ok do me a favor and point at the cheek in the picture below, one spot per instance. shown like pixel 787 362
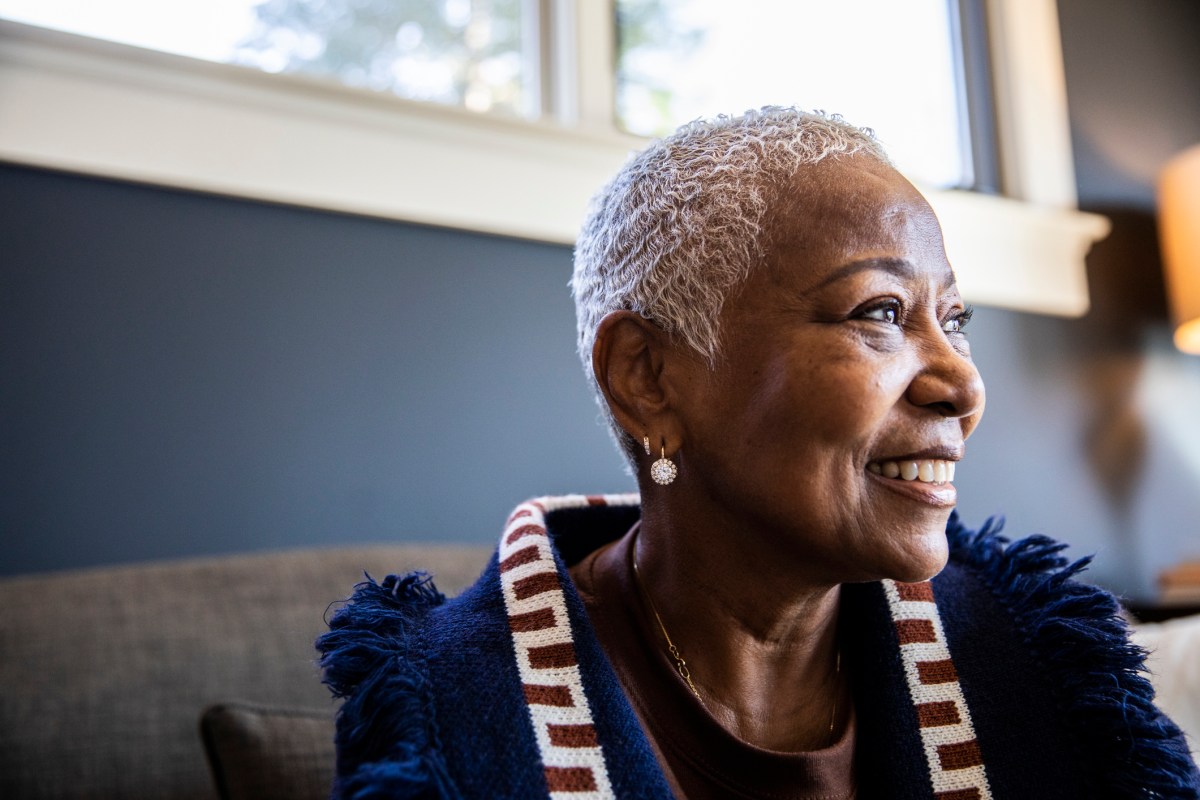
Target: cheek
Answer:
pixel 826 401
pixel 848 407
pixel 761 403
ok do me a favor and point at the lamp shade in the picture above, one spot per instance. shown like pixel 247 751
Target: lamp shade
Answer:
pixel 1179 229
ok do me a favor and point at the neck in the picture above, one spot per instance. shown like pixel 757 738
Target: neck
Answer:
pixel 761 650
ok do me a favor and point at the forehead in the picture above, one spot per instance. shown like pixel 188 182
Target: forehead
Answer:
pixel 851 209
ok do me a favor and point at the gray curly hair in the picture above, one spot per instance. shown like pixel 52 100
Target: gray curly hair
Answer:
pixel 682 224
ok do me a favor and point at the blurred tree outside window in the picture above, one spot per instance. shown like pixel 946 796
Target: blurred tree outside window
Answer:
pixel 457 52
pixel 467 53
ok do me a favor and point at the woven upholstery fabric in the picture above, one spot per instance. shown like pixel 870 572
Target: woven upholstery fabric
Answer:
pixel 262 753
pixel 105 672
pixel 1174 666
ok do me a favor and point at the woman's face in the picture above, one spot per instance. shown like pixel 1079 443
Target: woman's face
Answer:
pixel 841 362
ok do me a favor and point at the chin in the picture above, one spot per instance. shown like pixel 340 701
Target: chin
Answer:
pixel 918 575
pixel 923 562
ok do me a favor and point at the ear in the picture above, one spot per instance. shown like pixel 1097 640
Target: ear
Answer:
pixel 628 359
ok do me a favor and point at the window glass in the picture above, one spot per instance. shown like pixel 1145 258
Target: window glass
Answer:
pixel 459 52
pixel 893 66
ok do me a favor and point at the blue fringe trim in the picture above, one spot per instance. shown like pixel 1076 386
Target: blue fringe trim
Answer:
pixel 372 657
pixel 1137 750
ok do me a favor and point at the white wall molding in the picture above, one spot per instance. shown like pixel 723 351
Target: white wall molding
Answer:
pixel 1014 254
pixel 73 103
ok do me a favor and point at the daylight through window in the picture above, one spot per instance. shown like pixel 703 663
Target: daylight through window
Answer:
pixel 676 59
pixel 683 59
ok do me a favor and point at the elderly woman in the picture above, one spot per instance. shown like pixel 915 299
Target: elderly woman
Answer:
pixel 790 610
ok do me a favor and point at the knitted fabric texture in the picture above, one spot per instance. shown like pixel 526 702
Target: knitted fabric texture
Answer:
pixel 1002 678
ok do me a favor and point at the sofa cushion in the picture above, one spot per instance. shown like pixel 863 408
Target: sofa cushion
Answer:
pixel 260 752
pixel 1174 665
pixel 106 671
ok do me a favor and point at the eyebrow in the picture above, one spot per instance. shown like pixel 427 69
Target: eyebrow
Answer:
pixel 900 267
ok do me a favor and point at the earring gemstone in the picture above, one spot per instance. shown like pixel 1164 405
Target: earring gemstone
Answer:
pixel 663 471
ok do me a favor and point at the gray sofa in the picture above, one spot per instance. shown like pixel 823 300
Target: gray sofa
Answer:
pixel 106 673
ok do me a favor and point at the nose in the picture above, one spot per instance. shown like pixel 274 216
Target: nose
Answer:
pixel 948 383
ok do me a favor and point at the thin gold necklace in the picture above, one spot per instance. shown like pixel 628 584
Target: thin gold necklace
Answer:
pixel 681 665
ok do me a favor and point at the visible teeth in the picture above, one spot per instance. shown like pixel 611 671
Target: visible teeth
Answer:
pixel 926 470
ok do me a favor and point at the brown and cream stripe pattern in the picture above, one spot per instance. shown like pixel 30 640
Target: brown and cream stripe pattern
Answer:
pixel 951 749
pixel 537 618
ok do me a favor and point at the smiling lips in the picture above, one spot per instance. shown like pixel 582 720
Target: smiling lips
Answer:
pixel 924 470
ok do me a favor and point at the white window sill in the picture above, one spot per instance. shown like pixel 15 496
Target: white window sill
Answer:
pixel 77 104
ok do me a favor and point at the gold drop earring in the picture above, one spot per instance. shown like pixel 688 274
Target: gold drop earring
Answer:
pixel 662 471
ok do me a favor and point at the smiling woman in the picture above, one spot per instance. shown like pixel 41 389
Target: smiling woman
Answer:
pixel 790 608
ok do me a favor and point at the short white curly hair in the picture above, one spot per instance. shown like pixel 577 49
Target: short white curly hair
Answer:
pixel 682 224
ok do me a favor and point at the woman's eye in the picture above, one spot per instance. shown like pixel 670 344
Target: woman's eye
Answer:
pixel 888 312
pixel 959 321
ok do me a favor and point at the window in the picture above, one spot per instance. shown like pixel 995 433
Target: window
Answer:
pixel 468 53
pixel 208 30
pixel 678 61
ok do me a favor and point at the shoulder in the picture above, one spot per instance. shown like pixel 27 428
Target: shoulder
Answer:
pixel 1019 608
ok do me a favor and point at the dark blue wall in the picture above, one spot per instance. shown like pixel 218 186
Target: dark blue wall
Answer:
pixel 187 374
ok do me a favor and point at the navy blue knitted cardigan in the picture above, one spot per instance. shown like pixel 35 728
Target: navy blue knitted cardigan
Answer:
pixel 1001 678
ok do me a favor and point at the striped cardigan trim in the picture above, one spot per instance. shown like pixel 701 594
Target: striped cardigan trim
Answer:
pixel 535 601
pixel 952 752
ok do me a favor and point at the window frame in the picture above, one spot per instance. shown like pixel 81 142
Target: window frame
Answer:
pixel 74 103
